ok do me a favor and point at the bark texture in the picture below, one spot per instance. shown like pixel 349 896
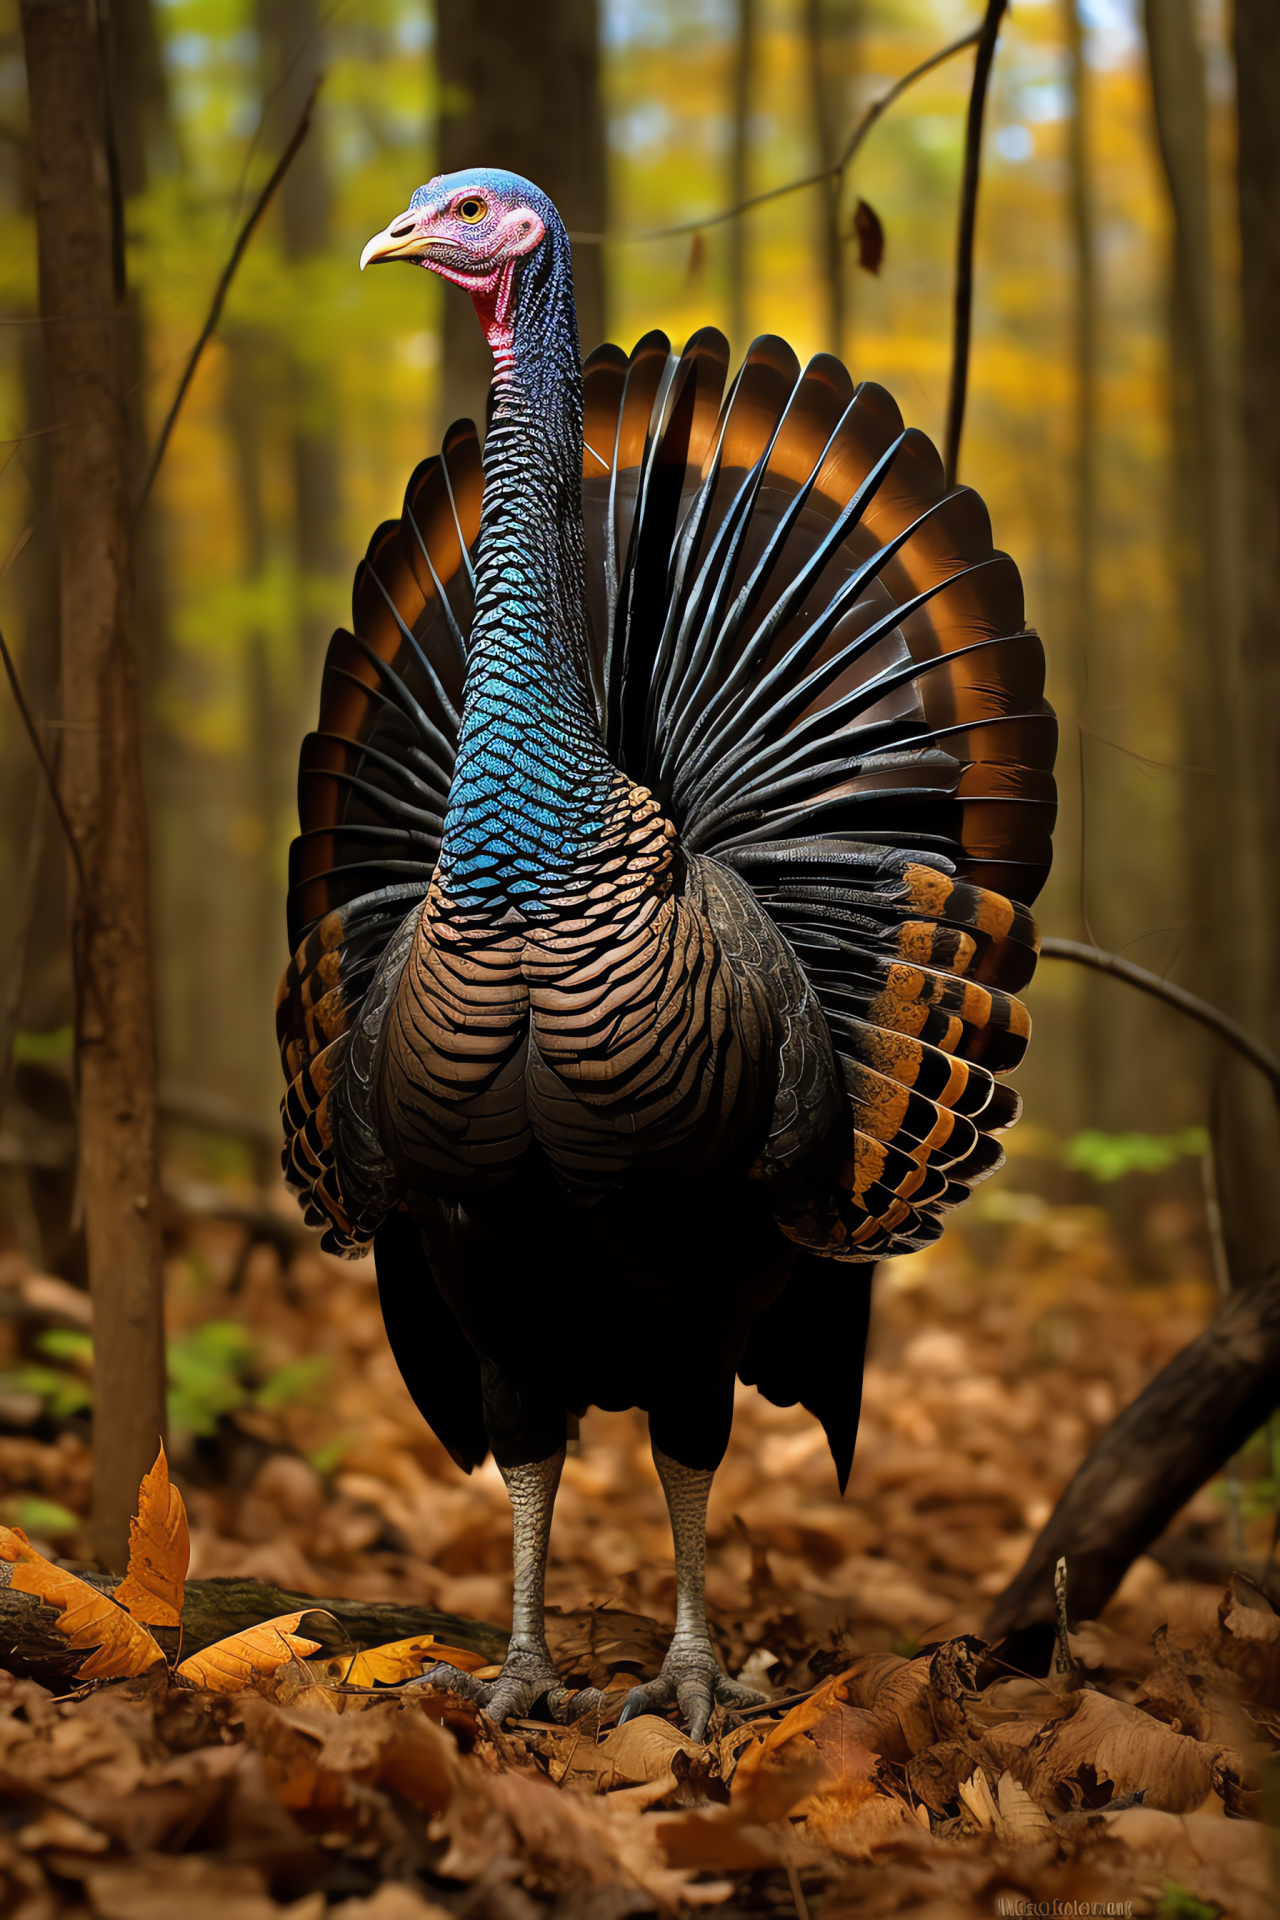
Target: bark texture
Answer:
pixel 520 88
pixel 34 1649
pixel 1149 1462
pixel 1206 563
pixel 1249 1179
pixel 85 319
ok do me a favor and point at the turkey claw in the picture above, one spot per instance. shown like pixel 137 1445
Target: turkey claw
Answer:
pixel 693 1680
pixel 524 1681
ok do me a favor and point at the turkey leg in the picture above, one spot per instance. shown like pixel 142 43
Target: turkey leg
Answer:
pixel 691 1674
pixel 528 1672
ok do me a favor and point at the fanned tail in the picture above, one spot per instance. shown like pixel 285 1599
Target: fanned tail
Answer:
pixel 812 654
pixel 820 664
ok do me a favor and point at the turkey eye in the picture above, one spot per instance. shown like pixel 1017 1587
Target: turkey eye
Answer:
pixel 471 211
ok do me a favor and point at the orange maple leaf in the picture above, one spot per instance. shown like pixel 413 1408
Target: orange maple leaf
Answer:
pixel 398 1660
pixel 116 1645
pixel 159 1552
pixel 230 1665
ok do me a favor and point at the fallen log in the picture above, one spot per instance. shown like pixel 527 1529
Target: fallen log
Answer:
pixel 32 1647
pixel 1176 1435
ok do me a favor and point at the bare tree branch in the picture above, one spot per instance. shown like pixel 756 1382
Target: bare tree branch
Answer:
pixel 987 37
pixel 51 779
pixel 223 288
pixel 833 172
pixel 1208 1016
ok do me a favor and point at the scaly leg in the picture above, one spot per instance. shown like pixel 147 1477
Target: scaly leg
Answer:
pixel 528 1672
pixel 691 1673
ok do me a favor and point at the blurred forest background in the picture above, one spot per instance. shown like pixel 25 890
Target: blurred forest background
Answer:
pixel 1100 432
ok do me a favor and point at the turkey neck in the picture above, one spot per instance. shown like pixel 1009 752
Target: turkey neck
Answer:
pixel 532 788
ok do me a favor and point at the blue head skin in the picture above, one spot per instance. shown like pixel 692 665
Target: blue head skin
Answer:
pixel 532 785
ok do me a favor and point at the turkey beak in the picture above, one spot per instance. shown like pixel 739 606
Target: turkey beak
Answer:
pixel 402 240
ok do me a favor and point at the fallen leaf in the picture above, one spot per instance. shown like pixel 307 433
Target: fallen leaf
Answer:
pixel 397 1661
pixel 854 1819
pixel 159 1552
pixel 635 1755
pixel 1120 1745
pixel 117 1647
pixel 979 1800
pixel 770 1780
pixel 245 1658
pixel 1225 1863
pixel 1019 1821
pixel 159 1886
pixel 591 1645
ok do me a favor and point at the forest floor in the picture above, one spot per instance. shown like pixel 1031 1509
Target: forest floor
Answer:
pixel 912 1775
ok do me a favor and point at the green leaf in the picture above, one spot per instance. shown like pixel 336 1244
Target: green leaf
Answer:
pixel 1177 1904
pixel 292 1385
pixel 63 1394
pixel 328 1458
pixel 67 1343
pixel 207 1365
pixel 1109 1156
pixel 43 1049
pixel 47 1518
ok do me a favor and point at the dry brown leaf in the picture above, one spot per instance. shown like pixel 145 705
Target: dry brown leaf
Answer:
pixel 1246 1613
pixel 1019 1821
pixel 1121 1745
pixel 1226 1863
pixel 770 1780
pixel 710 1843
pixel 393 1901
pixel 159 1552
pixel 635 1755
pixel 243 1659
pixel 158 1887
pixel 979 1801
pixel 592 1645
pixel 855 1820
pixel 116 1645
pixel 397 1661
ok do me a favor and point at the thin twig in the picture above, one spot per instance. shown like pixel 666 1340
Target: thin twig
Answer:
pixel 33 734
pixel 962 324
pixel 833 172
pixel 1208 1016
pixel 1064 1661
pixel 223 287
pixel 28 900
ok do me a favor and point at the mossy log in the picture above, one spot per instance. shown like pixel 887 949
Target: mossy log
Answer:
pixel 32 1647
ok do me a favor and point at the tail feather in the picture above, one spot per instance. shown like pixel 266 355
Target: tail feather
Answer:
pixel 813 654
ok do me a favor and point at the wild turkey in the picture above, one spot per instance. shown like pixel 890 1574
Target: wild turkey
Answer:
pixel 654 906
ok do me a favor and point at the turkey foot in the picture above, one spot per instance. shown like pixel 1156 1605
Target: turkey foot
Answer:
pixel 527 1677
pixel 692 1679
pixel 529 1674
pixel 691 1676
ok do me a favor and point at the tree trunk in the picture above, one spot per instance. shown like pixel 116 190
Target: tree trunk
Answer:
pixel 1205 558
pixel 830 251
pixel 1163 1448
pixel 32 1646
pixel 520 88
pixel 744 61
pixel 1255 921
pixel 83 308
pixel 292 37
